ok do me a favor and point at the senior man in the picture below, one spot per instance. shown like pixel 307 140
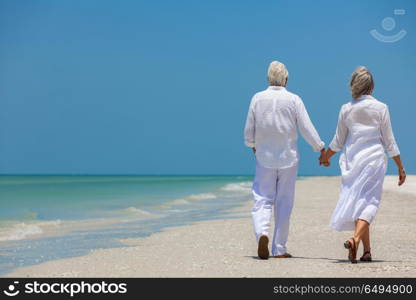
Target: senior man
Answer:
pixel 273 118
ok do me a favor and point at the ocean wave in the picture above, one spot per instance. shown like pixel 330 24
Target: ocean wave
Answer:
pixel 192 198
pixel 24 230
pixel 138 211
pixel 14 231
pixel 178 202
pixel 175 210
pixel 174 203
pixel 204 196
pixel 131 214
pixel 238 187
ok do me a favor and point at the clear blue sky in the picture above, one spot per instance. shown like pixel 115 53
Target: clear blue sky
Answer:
pixel 163 87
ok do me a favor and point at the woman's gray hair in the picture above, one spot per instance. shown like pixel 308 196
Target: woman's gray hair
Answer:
pixel 361 83
pixel 277 74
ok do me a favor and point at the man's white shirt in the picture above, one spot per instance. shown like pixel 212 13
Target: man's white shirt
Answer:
pixel 273 118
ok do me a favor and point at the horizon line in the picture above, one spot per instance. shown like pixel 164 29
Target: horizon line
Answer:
pixel 138 174
pixel 149 175
pixel 160 174
pixel 117 174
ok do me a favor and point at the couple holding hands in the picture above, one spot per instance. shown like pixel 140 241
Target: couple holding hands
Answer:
pixel 364 133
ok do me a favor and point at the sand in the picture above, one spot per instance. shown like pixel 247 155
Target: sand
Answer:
pixel 226 248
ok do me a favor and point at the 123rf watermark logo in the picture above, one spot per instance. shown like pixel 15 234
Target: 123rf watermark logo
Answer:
pixel 71 288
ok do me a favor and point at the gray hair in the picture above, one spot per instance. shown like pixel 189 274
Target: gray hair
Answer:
pixel 361 82
pixel 277 74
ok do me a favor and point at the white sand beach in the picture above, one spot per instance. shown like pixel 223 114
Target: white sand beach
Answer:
pixel 226 248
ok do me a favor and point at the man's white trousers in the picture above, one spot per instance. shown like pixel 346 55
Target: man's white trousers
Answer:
pixel 273 187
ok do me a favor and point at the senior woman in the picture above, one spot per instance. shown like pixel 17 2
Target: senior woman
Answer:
pixel 364 131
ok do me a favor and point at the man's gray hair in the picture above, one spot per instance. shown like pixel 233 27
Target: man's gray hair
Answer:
pixel 361 83
pixel 277 74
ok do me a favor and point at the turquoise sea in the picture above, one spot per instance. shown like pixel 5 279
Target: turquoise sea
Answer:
pixel 50 217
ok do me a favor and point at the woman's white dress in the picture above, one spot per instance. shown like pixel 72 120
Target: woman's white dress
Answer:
pixel 364 132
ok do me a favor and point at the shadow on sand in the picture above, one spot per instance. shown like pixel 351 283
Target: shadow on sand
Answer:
pixel 333 260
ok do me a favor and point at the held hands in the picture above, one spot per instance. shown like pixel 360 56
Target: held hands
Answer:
pixel 324 159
